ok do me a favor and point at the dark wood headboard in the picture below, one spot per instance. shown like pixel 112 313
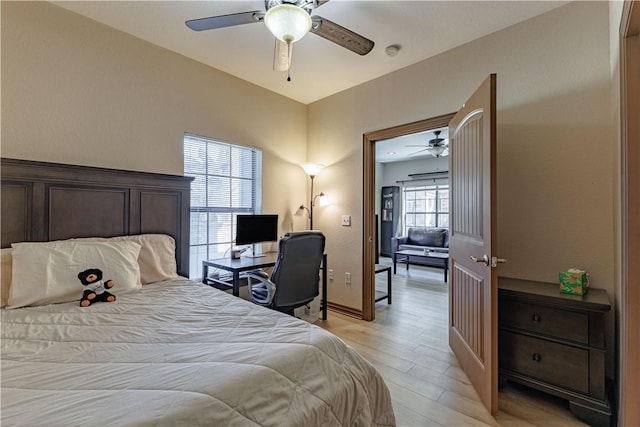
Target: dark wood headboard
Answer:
pixel 50 201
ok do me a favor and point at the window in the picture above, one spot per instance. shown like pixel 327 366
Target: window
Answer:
pixel 426 205
pixel 228 182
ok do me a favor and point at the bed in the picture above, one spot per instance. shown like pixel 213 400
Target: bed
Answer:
pixel 168 351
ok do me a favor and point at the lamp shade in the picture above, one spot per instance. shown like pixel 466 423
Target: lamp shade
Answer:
pixel 312 169
pixel 288 22
pixel 323 200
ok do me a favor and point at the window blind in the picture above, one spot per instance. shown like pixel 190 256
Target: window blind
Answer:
pixel 227 182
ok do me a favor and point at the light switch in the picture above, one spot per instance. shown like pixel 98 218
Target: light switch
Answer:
pixel 346 220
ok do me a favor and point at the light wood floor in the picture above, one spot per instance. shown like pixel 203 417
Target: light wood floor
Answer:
pixel 408 345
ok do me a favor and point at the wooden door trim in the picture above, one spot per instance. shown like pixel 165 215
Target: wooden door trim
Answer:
pixel 629 373
pixel 369 199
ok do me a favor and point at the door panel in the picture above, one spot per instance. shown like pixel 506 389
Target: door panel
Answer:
pixel 467 291
pixel 473 287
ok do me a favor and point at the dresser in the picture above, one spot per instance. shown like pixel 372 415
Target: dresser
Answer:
pixel 555 343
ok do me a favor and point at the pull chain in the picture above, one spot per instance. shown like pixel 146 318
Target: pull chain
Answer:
pixel 290 57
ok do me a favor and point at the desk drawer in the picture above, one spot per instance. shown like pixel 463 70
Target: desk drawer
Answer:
pixel 553 363
pixel 545 320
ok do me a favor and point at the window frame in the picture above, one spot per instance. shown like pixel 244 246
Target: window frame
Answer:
pixel 438 187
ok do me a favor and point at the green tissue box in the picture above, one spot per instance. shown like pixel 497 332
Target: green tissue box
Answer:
pixel 574 282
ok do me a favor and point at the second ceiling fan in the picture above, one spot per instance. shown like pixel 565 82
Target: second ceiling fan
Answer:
pixel 437 147
pixel 289 21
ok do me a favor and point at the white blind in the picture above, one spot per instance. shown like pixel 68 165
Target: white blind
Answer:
pixel 227 182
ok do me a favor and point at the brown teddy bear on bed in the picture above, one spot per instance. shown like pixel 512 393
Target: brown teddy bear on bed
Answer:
pixel 96 288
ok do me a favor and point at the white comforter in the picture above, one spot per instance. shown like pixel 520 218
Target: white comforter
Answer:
pixel 181 353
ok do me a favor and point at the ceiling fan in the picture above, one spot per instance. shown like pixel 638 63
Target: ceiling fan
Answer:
pixel 437 146
pixel 289 21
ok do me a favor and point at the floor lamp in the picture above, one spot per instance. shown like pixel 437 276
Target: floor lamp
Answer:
pixel 312 169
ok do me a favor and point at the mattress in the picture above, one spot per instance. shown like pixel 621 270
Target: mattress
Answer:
pixel 181 353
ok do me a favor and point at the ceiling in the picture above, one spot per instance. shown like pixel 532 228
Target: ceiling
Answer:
pixel 408 147
pixel 319 68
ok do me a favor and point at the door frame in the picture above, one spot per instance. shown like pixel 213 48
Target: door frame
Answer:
pixel 629 373
pixel 369 200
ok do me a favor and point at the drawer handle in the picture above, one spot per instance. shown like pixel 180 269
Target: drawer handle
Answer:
pixel 537 357
pixel 536 317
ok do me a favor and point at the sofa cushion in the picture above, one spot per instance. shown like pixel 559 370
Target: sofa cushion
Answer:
pixel 428 236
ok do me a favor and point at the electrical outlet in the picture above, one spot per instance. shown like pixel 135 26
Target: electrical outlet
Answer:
pixel 330 274
pixel 346 220
pixel 347 278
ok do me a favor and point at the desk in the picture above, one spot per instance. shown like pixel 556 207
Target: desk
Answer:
pixel 236 266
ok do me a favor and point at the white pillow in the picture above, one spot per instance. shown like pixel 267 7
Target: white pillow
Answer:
pixel 157 259
pixel 47 272
pixel 5 275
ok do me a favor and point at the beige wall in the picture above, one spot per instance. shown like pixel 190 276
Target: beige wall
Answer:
pixel 555 146
pixel 75 91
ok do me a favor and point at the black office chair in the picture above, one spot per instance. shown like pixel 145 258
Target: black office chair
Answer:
pixel 295 276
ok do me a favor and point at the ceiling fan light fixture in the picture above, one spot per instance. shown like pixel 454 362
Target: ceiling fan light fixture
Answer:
pixel 437 150
pixel 288 22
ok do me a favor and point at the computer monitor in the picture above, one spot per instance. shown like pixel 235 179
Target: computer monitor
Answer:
pixel 252 229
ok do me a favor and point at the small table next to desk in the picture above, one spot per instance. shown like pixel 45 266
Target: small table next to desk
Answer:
pixel 236 266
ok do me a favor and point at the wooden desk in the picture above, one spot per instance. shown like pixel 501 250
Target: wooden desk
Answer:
pixel 237 266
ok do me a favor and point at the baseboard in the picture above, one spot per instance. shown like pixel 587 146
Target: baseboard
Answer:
pixel 343 309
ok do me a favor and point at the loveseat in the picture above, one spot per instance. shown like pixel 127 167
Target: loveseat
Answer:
pixel 420 238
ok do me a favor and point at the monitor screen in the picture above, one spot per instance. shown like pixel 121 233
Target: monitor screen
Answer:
pixel 256 229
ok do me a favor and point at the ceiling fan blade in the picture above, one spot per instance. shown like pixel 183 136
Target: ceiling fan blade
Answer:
pixel 221 21
pixel 282 55
pixel 341 35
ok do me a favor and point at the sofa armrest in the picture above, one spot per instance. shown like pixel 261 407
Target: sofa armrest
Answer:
pixel 396 241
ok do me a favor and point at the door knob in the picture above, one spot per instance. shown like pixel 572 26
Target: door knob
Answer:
pixel 484 259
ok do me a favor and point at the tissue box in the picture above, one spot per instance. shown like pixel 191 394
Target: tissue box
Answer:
pixel 573 283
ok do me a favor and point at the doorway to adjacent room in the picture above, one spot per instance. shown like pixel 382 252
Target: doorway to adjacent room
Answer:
pixel 369 199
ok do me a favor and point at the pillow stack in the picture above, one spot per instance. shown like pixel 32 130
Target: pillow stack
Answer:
pixel 38 273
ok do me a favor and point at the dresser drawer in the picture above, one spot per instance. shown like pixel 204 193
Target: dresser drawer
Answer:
pixel 553 363
pixel 557 323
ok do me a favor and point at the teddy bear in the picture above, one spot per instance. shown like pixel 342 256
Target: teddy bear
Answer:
pixel 96 288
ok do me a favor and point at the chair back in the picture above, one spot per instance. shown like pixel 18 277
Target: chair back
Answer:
pixel 297 269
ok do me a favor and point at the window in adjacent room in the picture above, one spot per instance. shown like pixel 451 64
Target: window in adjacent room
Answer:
pixel 228 182
pixel 426 205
